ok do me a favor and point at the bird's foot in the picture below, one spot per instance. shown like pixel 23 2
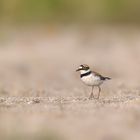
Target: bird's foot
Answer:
pixel 91 97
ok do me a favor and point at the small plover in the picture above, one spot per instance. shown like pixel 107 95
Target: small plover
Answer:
pixel 91 78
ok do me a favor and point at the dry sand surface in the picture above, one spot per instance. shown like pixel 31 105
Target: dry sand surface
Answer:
pixel 42 97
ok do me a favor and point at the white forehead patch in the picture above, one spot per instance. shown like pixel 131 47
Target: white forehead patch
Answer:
pixel 80 67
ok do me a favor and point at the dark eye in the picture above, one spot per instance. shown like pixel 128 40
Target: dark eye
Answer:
pixel 86 68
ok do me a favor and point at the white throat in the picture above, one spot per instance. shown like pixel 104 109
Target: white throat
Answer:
pixel 84 71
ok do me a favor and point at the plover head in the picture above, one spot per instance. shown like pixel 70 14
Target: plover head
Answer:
pixel 83 68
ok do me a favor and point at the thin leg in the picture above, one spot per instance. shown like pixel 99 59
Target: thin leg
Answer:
pixel 91 95
pixel 99 92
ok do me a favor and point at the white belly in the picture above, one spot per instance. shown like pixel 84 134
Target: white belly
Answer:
pixel 92 80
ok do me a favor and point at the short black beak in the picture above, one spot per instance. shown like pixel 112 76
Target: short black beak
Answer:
pixel 78 69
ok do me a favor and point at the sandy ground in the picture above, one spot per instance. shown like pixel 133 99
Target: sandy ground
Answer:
pixel 42 96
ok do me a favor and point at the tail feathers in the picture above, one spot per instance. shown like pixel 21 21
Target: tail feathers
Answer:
pixel 107 78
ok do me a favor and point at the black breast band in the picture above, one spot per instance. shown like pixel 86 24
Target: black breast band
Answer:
pixel 85 74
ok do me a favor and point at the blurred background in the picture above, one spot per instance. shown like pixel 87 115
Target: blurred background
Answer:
pixel 47 40
pixel 24 11
pixel 42 42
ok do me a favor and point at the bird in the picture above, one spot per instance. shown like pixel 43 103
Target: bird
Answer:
pixel 91 78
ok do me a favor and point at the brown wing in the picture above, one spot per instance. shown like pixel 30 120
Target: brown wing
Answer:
pixel 96 73
pixel 99 75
